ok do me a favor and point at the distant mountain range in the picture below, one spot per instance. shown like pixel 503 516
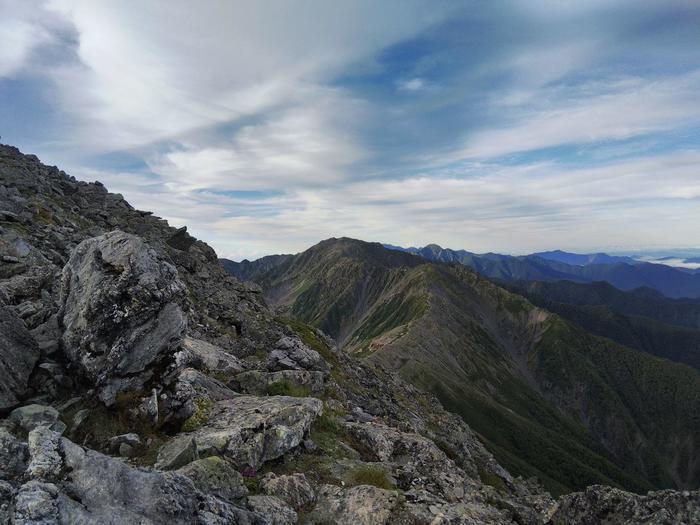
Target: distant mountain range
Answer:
pixel 624 273
pixel 546 394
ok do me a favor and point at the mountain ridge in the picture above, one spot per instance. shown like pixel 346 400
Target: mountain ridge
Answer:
pixel 375 306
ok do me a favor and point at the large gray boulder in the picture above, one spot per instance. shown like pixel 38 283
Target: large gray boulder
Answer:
pixel 294 489
pixel 289 353
pixel 77 485
pixel 121 311
pixel 18 356
pixel 246 430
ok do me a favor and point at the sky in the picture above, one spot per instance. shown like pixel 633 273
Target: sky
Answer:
pixel 267 126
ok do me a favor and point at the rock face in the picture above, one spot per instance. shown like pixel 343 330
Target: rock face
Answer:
pixel 608 506
pixel 82 486
pixel 247 430
pixel 120 310
pixel 361 505
pixel 18 355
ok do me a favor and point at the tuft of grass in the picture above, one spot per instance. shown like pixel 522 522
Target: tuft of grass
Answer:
pixel 287 388
pixel 488 478
pixel 200 416
pixel 371 475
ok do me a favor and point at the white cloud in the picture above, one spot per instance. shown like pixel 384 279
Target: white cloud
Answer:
pixel 412 84
pixel 591 113
pixel 310 143
pixel 159 71
pixel 527 208
pixel 20 33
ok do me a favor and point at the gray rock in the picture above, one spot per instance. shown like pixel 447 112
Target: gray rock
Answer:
pixel 257 382
pixel 293 489
pixel 607 505
pixel 18 355
pixel 13 455
pixel 120 310
pixel 92 488
pixel 208 358
pixel 360 505
pixel 412 457
pixel 125 445
pixel 6 499
pixel 36 504
pixel 176 453
pixel 79 419
pixel 30 417
pixel 192 383
pixel 290 353
pixel 274 509
pixel 46 461
pixel 216 476
pixel 249 430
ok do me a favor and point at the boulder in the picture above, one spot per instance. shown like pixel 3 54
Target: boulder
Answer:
pixel 177 453
pixel 120 310
pixel 360 505
pixel 6 496
pixel 84 486
pixel 13 455
pixel 18 356
pixel 216 476
pixel 249 430
pixel 289 353
pixel 274 509
pixel 32 416
pixel 413 459
pixel 293 489
pixel 208 358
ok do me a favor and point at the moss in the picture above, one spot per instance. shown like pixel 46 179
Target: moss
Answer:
pixel 286 388
pixel 200 416
pixel 371 475
pixel 489 478
pixel 327 423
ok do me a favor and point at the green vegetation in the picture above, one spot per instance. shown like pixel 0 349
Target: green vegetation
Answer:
pixel 490 478
pixel 371 475
pixel 286 388
pixel 200 416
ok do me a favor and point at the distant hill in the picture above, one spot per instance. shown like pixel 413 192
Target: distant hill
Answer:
pixel 577 259
pixel 670 281
pixel 547 397
pixel 246 270
pixel 641 319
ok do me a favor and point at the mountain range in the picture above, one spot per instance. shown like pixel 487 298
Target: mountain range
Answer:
pixel 622 272
pixel 526 379
pixel 140 382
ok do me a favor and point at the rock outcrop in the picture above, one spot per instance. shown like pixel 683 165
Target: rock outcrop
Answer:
pixel 120 311
pixel 18 355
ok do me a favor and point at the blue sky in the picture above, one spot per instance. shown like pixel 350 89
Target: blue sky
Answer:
pixel 267 126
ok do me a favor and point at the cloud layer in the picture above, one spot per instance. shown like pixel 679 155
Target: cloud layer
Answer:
pixel 267 126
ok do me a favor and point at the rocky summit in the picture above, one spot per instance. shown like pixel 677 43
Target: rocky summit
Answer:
pixel 140 382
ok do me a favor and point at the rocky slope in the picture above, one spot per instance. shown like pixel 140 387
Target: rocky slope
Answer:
pixel 143 384
pixel 524 379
